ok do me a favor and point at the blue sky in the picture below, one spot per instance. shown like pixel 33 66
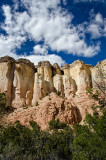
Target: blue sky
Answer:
pixel 60 31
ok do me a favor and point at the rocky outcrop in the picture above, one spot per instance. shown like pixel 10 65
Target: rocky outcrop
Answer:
pixel 98 75
pixel 44 68
pixel 58 84
pixel 71 110
pixel 16 80
pixel 39 89
pixel 70 86
pixel 56 69
pixel 26 85
pixel 6 59
pixel 7 67
pixel 80 73
pixel 49 108
pixel 23 84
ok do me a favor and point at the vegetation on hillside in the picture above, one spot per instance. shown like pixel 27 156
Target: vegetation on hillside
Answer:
pixel 59 142
pixel 3 108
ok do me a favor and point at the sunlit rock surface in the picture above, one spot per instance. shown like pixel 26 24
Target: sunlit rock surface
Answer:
pixel 49 92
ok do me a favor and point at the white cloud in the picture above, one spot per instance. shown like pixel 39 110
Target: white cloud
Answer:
pixel 98 18
pixel 7 14
pixel 97 26
pixel 14 22
pixel 46 21
pixel 95 30
pixel 52 58
pixel 8 44
pixel 41 49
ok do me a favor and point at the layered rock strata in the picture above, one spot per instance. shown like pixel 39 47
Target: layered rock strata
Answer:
pixel 25 84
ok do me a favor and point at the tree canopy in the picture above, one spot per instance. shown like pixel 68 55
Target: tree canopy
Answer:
pixel 59 142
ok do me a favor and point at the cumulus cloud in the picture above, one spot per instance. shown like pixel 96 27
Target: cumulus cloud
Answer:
pixel 52 58
pixel 41 49
pixel 97 26
pixel 8 44
pixel 45 21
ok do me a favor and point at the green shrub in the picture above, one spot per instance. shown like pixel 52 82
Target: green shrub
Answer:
pixel 36 104
pixel 2 99
pixel 58 93
pixel 25 107
pixel 84 142
pixel 89 90
pixel 90 138
pixel 3 107
pixel 56 124
pixel 94 95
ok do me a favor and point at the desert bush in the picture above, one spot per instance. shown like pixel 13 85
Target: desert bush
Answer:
pixel 3 107
pixel 36 104
pixel 56 124
pixel 84 142
pixel 90 138
pixel 58 93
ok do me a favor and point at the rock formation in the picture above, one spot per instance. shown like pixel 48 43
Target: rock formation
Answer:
pixel 60 92
pixel 98 75
pixel 7 67
pixel 23 84
pixel 50 107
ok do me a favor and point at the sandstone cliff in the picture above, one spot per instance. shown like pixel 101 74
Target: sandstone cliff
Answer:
pixel 60 92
